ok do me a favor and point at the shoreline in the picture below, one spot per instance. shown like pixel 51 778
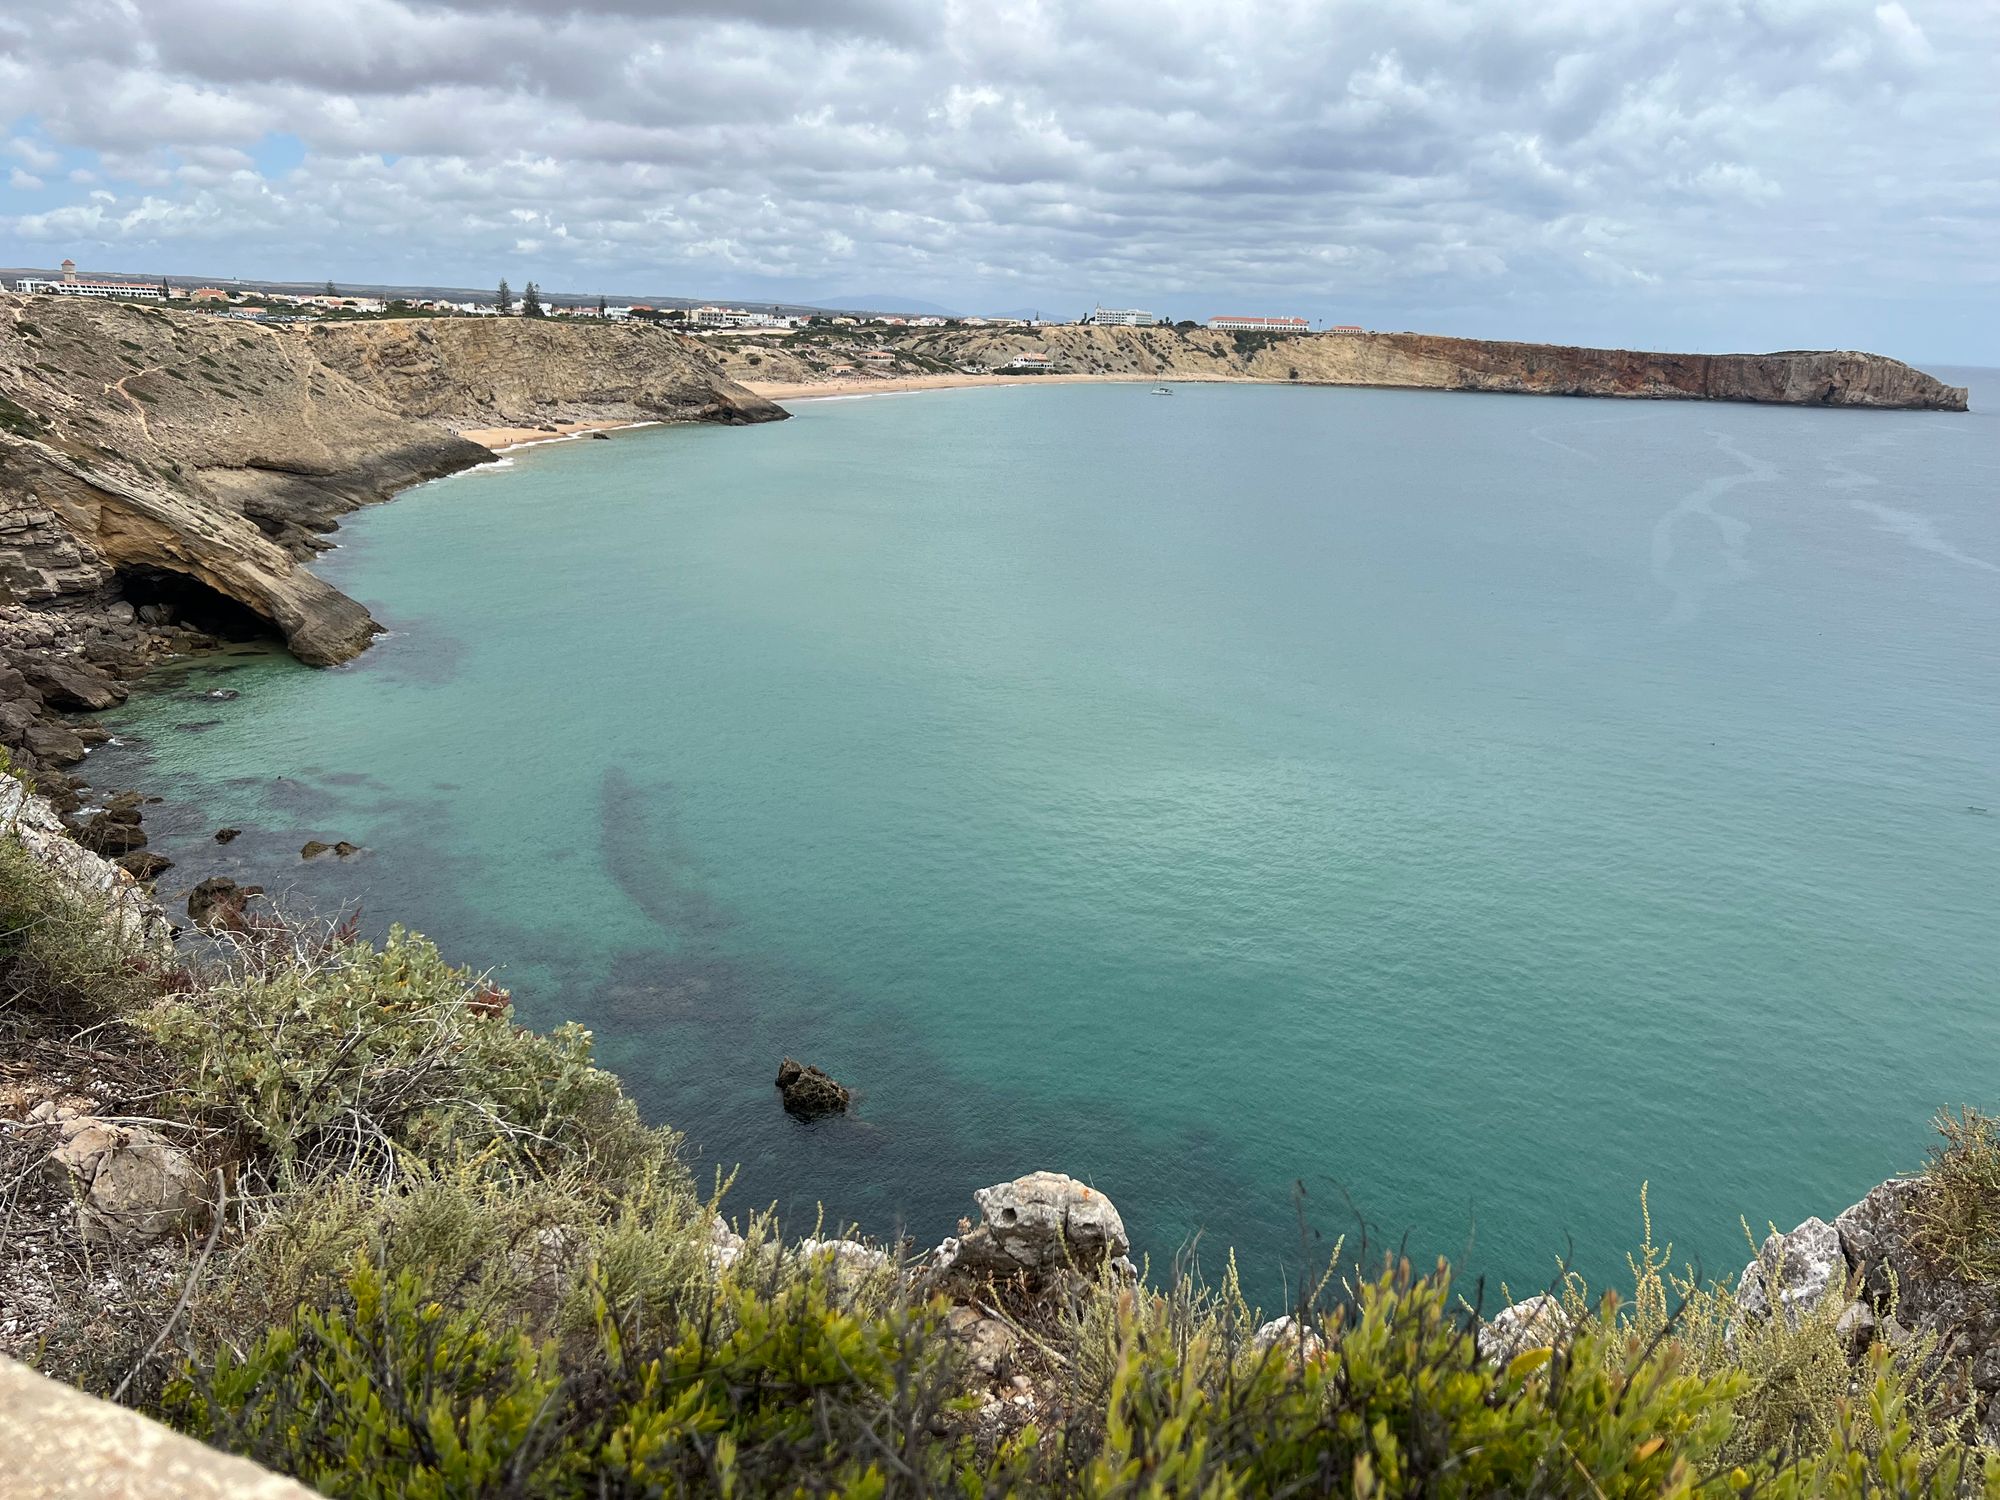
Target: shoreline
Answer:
pixel 889 385
pixel 506 439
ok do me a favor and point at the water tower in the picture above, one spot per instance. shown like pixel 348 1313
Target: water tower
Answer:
pixel 69 270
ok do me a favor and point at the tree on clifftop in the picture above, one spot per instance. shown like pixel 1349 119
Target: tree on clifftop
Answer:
pixel 506 298
pixel 531 302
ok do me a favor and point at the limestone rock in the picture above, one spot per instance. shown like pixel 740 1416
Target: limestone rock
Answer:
pixel 53 744
pixel 71 683
pixel 810 1093
pixel 725 1245
pixel 1963 1317
pixel 113 832
pixel 144 864
pixel 1533 1323
pixel 1796 1271
pixel 61 1444
pixel 136 1187
pixel 1875 1235
pixel 988 1342
pixel 218 904
pixel 1038 1225
pixel 135 918
pixel 1287 1335
pixel 853 1262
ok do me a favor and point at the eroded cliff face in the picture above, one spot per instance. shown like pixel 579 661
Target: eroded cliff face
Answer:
pixel 136 438
pixel 1416 360
pixel 1803 378
pixel 161 470
pixel 136 442
pixel 471 373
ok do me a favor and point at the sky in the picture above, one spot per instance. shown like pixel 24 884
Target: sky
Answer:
pixel 1692 174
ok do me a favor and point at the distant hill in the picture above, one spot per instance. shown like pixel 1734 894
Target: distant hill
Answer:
pixel 889 302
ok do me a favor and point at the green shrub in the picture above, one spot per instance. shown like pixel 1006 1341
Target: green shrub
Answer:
pixel 61 957
pixel 390 1396
pixel 330 1052
pixel 1795 1371
pixel 393 1393
pixel 1958 1211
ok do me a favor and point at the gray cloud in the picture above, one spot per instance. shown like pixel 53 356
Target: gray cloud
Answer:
pixel 1733 172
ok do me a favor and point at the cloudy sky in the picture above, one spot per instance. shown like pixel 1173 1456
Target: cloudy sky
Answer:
pixel 1662 173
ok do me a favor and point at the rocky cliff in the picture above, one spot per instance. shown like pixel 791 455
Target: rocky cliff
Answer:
pixel 1416 360
pixel 469 373
pixel 1801 378
pixel 163 474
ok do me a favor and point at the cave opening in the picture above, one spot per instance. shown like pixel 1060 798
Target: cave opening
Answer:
pixel 169 598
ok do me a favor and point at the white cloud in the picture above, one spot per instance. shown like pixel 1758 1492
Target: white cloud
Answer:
pixel 24 182
pixel 1568 168
pixel 33 155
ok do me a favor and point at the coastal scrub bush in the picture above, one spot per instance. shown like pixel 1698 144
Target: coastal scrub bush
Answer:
pixel 1958 1211
pixel 317 1051
pixel 61 957
pixel 1794 1372
pixel 395 1392
pixel 775 1386
pixel 1387 1395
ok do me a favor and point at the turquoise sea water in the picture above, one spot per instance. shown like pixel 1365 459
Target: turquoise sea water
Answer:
pixel 1465 807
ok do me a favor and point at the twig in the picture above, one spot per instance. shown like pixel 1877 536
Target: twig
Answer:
pixel 187 1291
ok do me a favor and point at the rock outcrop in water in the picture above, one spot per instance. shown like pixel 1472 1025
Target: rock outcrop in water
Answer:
pixel 163 475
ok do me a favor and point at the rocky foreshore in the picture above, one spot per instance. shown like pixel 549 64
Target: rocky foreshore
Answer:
pixel 164 476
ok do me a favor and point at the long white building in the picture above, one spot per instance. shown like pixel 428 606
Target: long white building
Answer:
pixel 71 285
pixel 1236 324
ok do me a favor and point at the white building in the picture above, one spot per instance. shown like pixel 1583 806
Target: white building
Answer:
pixel 1121 317
pixel 1235 324
pixel 73 286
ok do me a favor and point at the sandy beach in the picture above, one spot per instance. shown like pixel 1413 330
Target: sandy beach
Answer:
pixel 499 439
pixel 878 385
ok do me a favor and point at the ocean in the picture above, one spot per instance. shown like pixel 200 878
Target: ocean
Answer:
pixel 1415 817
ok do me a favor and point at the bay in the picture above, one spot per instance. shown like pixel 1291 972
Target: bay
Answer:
pixel 1298 812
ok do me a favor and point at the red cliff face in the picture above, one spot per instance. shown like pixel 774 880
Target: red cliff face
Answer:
pixel 1798 378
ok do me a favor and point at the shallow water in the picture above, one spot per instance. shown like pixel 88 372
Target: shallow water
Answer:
pixel 1454 809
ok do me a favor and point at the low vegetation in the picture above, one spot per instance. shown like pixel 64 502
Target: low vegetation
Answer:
pixel 1959 1218
pixel 445 1257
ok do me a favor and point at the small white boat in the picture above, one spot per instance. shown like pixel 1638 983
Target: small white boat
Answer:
pixel 1161 390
